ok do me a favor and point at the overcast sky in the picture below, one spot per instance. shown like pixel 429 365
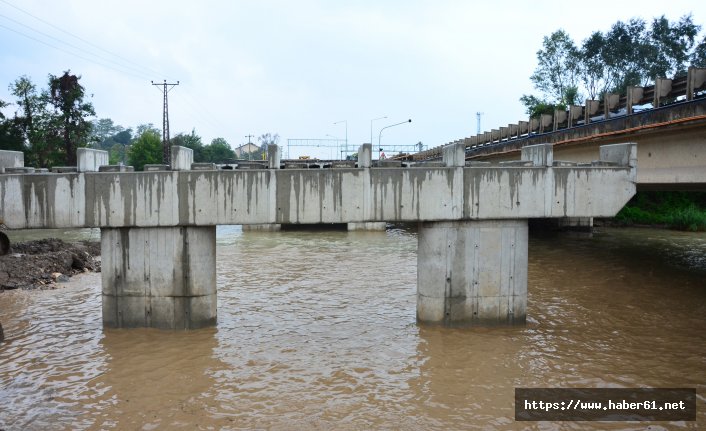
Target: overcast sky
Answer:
pixel 297 67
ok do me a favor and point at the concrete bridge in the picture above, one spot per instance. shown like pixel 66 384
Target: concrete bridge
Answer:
pixel 667 120
pixel 158 227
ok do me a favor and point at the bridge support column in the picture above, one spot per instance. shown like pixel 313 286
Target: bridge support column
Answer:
pixel 160 277
pixel 472 273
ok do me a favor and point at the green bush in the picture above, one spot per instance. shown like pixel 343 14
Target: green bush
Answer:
pixel 678 210
pixel 690 218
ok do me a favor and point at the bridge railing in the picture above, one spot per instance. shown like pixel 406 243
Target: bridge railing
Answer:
pixel 663 91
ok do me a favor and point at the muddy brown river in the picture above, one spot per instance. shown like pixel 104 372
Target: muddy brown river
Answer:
pixel 316 330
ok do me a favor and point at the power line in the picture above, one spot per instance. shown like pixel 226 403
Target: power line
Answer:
pixel 122 67
pixel 151 71
pixel 69 44
pixel 68 52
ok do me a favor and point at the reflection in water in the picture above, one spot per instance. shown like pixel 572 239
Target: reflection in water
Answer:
pixel 317 330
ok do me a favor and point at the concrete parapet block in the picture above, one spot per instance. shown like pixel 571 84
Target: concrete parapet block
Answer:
pixel 20 170
pixel 182 158
pixel 454 155
pixel 203 166
pixel 541 154
pixel 274 156
pixel 365 156
pixel 11 159
pixel 65 169
pixel 89 160
pixel 116 168
pixel 163 277
pixel 389 163
pixel 153 168
pixel 516 164
pixel 477 164
pixel 343 164
pixel 622 154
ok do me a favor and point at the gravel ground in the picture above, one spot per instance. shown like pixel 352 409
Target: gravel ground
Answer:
pixel 44 263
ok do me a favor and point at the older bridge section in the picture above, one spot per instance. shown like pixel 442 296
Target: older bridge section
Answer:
pixel 158 230
pixel 667 120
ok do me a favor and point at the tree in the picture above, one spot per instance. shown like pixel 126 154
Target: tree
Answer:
pixel 556 75
pixel 192 141
pixel 669 46
pixel 592 67
pixel 265 140
pixel 103 129
pixel 558 67
pixel 10 135
pixel 218 151
pixel 629 53
pixel 32 119
pixel 147 149
pixel 69 121
pixel 698 57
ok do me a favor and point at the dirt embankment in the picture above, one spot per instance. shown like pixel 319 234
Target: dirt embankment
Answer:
pixel 43 263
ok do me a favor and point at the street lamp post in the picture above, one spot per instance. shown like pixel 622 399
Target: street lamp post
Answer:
pixel 371 128
pixel 387 127
pixel 338 147
pixel 346 145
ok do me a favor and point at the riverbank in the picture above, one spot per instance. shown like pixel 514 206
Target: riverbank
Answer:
pixel 674 210
pixel 42 264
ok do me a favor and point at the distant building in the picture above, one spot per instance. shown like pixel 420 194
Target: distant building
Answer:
pixel 243 150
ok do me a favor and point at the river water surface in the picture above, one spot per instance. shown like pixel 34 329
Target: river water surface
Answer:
pixel 316 330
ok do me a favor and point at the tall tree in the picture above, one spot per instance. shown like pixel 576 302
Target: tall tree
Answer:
pixel 698 56
pixel 32 119
pixel 192 141
pixel 558 67
pixel 265 140
pixel 218 151
pixel 71 113
pixel 592 67
pixel 670 45
pixel 147 149
pixel 10 134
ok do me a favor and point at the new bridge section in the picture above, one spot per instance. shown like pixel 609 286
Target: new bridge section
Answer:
pixel 158 228
pixel 667 120
pixel 671 145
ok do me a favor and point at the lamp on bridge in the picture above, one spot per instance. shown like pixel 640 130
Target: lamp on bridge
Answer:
pixel 346 144
pixel 387 127
pixel 371 127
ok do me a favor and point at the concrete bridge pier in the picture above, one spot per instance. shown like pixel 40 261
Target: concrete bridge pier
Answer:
pixel 160 277
pixel 472 272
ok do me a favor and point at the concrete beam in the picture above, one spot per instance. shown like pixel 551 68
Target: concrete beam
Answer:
pixel 540 155
pixel 274 156
pixel 182 158
pixel 298 196
pixel 454 155
pixel 89 160
pixel 365 156
pixel 11 159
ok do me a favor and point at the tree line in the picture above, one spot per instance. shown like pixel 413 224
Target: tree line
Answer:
pixel 629 53
pixel 49 124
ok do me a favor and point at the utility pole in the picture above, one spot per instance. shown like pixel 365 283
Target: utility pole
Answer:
pixel 478 114
pixel 249 136
pixel 166 148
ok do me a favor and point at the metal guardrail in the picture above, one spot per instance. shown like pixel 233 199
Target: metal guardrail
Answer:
pixel 663 92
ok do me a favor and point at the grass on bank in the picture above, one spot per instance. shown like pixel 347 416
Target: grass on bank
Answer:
pixel 677 210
